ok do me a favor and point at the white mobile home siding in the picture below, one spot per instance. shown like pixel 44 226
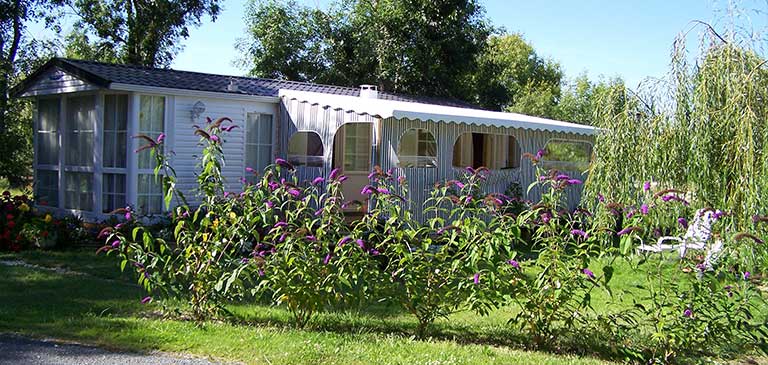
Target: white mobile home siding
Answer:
pixel 186 144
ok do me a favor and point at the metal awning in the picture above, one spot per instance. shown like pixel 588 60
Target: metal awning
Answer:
pixel 437 113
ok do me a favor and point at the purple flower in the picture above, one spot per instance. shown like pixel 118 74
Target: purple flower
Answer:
pixel 647 186
pixel 545 217
pixel 374 252
pixel 574 182
pixel 383 190
pixel 631 213
pixel 626 230
pixel 128 215
pixel 327 259
pixel 270 204
pixel 318 180
pixel 644 209
pixel 115 244
pixel 282 237
pixel 372 175
pixel 601 198
pixel 261 272
pixel 118 226
pixel 160 138
pixel 578 232
pixel 344 240
pixel 250 169
pixel 468 199
pixel 683 222
pixel 272 185
pixel 146 300
pixel 367 190
pixel 719 214
pixel 319 212
pixel 334 174
pixel 746 275
pixel 343 178
pixel 226 194
pixel 588 273
pixel 360 243
pixel 294 192
pixel 476 279
pixel 688 313
pixel 562 177
pixel 229 128
pixel 541 153
pixel 214 138
pixel 514 263
pixel 283 163
pixel 311 238
pixel 280 224
pixel 401 180
pixel 470 170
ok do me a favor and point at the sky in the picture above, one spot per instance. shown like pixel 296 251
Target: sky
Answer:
pixel 628 39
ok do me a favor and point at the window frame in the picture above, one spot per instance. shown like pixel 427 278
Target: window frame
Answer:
pixel 49 168
pixel 571 166
pixel 357 137
pixel 304 159
pixel 150 170
pixel 418 158
pixel 247 145
pixel 518 150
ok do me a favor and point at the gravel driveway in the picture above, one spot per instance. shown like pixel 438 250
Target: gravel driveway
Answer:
pixel 20 350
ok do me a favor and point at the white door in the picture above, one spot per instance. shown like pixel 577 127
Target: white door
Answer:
pixel 352 154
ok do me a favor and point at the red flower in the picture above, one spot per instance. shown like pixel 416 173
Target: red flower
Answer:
pixel 44 234
pixel 11 224
pixel 9 216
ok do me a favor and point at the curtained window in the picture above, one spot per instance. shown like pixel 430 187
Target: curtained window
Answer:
pixel 305 148
pixel 493 151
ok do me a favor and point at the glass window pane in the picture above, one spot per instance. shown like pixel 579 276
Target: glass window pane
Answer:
pixel 47 188
pixel 115 134
pixel 80 128
pixel 150 194
pixel 264 135
pixel 78 190
pixel 113 192
pixel 417 148
pixel 306 148
pixel 567 155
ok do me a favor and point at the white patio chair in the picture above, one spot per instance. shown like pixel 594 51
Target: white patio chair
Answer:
pixel 696 237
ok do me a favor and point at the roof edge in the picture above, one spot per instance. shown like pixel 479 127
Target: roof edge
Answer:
pixel 18 89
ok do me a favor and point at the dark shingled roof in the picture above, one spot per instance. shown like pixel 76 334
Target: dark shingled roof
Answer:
pixel 103 74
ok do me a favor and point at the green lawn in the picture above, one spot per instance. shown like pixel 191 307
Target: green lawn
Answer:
pixel 104 308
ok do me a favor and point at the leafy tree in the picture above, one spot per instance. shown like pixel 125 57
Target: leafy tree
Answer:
pixel 511 76
pixel 416 47
pixel 580 98
pixel 18 56
pixel 138 32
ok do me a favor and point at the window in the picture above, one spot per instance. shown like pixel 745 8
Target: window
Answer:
pixel 113 192
pixel 357 147
pixel 305 148
pixel 567 155
pixel 115 130
pixel 150 194
pixel 80 129
pixel 151 124
pixel 47 132
pixel 493 151
pixel 47 188
pixel 258 141
pixel 417 149
pixel 78 190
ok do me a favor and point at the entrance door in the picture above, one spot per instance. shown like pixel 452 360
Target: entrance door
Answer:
pixel 352 154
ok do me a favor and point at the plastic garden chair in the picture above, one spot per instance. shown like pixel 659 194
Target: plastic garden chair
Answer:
pixel 695 238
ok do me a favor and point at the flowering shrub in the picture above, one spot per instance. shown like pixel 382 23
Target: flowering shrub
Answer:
pixel 204 265
pixel 22 228
pixel 457 259
pixel 309 259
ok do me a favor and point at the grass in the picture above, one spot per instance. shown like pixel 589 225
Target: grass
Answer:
pixel 103 308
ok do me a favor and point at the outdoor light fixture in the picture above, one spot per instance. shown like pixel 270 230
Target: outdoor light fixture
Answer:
pixel 198 109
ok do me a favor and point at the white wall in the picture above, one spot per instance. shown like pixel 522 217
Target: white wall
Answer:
pixel 185 143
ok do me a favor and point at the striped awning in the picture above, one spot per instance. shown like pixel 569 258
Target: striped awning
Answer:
pixel 437 113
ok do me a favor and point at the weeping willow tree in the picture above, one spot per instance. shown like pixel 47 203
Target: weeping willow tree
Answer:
pixel 704 129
